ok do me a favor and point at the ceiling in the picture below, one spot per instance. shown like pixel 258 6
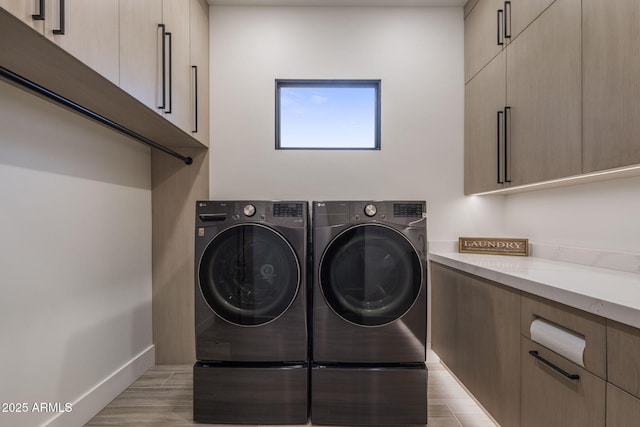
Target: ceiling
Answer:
pixel 349 3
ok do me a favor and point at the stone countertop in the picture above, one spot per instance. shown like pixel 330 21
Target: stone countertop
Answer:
pixel 608 293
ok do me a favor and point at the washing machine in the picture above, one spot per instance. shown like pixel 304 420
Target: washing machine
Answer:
pixel 251 330
pixel 369 313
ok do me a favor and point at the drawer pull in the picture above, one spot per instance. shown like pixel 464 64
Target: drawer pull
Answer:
pixel 60 31
pixel 554 367
pixel 39 16
pixel 500 41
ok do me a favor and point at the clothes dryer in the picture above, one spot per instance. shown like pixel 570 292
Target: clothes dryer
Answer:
pixel 251 312
pixel 369 312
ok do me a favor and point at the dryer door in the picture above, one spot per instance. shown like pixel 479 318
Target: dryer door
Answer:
pixel 370 275
pixel 249 275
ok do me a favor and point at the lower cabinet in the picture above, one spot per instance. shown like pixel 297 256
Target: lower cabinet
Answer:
pixel 550 398
pixel 623 409
pixel 483 332
pixel 476 332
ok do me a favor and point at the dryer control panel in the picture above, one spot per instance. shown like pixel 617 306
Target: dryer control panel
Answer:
pixel 216 212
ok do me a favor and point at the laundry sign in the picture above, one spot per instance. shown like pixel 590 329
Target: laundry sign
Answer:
pixel 493 246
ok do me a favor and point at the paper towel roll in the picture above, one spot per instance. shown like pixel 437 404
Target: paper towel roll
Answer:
pixel 563 341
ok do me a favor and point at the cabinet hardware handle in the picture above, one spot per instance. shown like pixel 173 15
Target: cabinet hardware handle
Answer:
pixel 554 367
pixel 60 31
pixel 164 77
pixel 499 147
pixel 507 19
pixel 195 98
pixel 39 16
pixel 500 14
pixel 507 162
pixel 168 111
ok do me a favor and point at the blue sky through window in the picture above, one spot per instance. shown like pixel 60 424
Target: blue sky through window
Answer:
pixel 319 116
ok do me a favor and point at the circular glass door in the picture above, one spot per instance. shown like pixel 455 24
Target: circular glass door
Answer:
pixel 249 275
pixel 370 275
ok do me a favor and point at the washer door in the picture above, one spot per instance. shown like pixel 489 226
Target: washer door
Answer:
pixel 370 275
pixel 249 275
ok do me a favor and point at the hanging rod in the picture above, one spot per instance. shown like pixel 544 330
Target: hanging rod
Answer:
pixel 88 113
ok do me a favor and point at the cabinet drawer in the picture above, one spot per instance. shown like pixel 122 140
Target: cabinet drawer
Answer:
pixel 592 327
pixel 623 357
pixel 623 410
pixel 550 399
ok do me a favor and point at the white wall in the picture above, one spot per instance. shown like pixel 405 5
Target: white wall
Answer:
pixel 75 259
pixel 418 55
pixel 602 215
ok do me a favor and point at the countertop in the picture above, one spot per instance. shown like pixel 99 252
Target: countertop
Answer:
pixel 608 293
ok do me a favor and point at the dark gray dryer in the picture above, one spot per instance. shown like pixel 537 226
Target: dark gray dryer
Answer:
pixel 250 312
pixel 369 313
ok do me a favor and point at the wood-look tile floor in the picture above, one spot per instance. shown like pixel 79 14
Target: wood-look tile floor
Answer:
pixel 163 397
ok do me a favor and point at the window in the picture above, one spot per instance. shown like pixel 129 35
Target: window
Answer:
pixel 328 114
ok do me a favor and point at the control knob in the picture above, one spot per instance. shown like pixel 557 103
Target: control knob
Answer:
pixel 249 210
pixel 370 210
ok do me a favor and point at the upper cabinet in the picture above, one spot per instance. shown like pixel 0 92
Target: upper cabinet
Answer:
pixel 571 88
pixel 544 97
pixel 155 50
pixel 611 83
pixel 31 13
pixel 520 13
pixel 485 98
pixel 535 134
pixel 140 52
pixel 164 55
pixel 490 25
pixel 88 30
pixel 483 38
pixel 176 60
pixel 200 70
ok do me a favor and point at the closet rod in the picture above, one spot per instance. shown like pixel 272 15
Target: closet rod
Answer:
pixel 88 113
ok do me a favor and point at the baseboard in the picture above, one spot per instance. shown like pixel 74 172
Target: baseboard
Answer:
pixel 92 402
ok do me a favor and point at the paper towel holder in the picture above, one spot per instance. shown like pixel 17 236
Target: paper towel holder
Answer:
pixel 558 369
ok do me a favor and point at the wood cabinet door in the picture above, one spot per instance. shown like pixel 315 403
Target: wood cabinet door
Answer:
pixel 140 50
pixel 200 74
pixel 481 36
pixel 175 15
pixel 550 399
pixel 91 33
pixel 544 92
pixel 623 357
pixel 484 102
pixel 623 410
pixel 611 61
pixel 521 13
pixel 445 314
pixel 475 330
pixel 25 11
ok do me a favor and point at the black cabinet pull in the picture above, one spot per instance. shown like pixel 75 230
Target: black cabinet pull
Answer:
pixel 554 367
pixel 168 111
pixel 164 77
pixel 507 162
pixel 507 20
pixel 499 147
pixel 60 31
pixel 500 14
pixel 195 98
pixel 39 16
